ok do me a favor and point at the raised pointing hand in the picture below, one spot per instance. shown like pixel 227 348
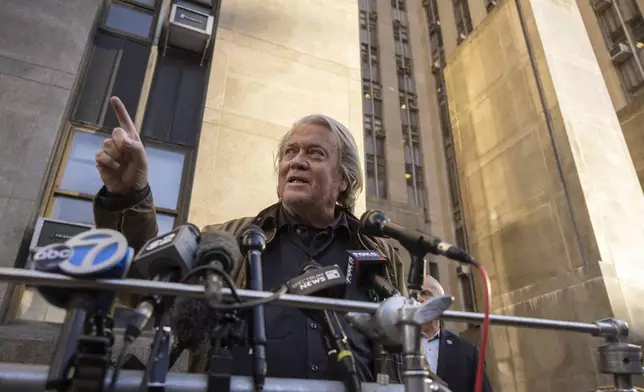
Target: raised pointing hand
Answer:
pixel 122 162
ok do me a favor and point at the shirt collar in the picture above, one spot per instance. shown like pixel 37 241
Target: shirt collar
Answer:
pixel 436 336
pixel 340 222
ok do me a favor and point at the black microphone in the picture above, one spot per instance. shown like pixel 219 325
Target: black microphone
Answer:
pixel 192 319
pixel 165 258
pixel 377 224
pixel 220 250
pixel 252 243
pixel 368 267
pixel 325 281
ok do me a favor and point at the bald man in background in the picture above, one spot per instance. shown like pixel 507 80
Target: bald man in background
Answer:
pixel 453 359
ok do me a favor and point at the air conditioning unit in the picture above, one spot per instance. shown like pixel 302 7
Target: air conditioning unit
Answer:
pixel 601 5
pixel 434 25
pixel 189 27
pixel 620 53
pixel 461 37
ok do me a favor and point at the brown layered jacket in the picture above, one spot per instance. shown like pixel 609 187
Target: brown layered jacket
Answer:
pixel 137 221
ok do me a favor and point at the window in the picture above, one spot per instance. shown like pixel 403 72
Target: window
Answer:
pixel 79 180
pixel 625 58
pixel 368 20
pixel 118 62
pixel 398 4
pixel 370 65
pixel 77 183
pixel 462 18
pixel 129 20
pixel 117 67
pixel 413 168
pixel 367 4
pixel 401 33
pixel 376 177
pixel 403 65
pixel 173 113
pixel 433 269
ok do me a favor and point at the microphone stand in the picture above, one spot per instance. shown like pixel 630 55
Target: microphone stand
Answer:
pixel 93 354
pixel 253 243
pixel 66 345
pixel 156 370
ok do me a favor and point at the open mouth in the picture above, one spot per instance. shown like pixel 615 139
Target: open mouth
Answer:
pixel 297 180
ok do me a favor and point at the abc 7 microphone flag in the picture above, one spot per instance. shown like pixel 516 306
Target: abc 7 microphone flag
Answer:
pixel 94 254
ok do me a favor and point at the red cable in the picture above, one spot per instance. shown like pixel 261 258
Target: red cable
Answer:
pixel 487 289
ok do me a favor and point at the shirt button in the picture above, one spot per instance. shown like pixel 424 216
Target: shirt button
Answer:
pixel 314 326
pixel 315 368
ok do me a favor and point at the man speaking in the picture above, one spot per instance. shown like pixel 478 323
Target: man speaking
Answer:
pixel 319 178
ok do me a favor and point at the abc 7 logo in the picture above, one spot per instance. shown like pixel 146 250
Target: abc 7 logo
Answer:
pixel 53 253
pixel 160 242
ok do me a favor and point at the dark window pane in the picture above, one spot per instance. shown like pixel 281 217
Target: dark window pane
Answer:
pixel 174 108
pixel 149 3
pixel 411 196
pixel 111 55
pixel 129 79
pixel 129 20
pixel 371 180
pixel 369 144
pixel 377 108
pixel 367 107
pixel 80 174
pixel 420 193
pixel 166 169
pixel 382 181
pixel 380 147
pixel 408 158
pixel 433 270
pixel 73 210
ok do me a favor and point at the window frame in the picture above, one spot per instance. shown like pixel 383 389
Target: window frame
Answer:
pixel 179 213
pixel 139 7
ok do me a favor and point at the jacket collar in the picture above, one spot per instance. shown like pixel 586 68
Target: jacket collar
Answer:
pixel 268 218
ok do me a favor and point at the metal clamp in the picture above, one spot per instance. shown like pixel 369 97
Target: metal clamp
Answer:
pixel 617 356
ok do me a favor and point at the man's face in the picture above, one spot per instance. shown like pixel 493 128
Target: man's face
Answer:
pixel 309 172
pixel 431 288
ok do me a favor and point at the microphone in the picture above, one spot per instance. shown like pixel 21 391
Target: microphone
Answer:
pixel 322 281
pixel 368 267
pixel 253 243
pixel 94 254
pixel 191 319
pixel 319 281
pixel 377 224
pixel 383 326
pixel 220 250
pixel 165 258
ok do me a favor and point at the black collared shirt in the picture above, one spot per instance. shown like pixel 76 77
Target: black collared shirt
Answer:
pixel 294 346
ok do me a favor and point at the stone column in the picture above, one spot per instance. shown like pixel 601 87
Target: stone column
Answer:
pixel 551 197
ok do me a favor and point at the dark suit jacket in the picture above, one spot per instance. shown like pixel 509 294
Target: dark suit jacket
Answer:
pixel 457 360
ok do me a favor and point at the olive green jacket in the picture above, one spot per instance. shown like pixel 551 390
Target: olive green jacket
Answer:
pixel 136 218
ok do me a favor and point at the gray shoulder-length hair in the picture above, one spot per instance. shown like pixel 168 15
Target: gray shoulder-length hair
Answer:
pixel 349 158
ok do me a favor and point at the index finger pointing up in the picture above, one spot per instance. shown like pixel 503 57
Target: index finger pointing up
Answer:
pixel 124 118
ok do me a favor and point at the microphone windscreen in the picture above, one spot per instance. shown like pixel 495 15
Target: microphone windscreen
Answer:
pixel 218 246
pixel 191 321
